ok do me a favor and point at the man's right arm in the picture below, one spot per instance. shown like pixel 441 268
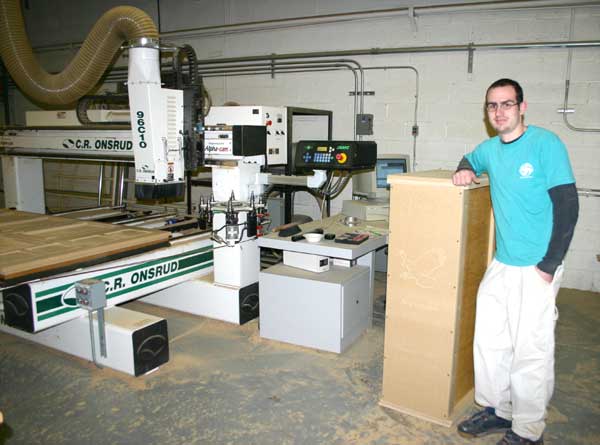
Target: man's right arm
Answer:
pixel 465 173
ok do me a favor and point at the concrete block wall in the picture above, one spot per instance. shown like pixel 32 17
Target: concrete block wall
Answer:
pixel 450 101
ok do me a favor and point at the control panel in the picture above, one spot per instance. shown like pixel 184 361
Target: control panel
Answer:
pixel 336 155
pixel 90 294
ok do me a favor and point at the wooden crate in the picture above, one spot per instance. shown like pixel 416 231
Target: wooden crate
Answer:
pixel 440 244
pixel 33 245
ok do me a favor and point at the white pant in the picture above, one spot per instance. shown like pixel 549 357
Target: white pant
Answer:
pixel 514 345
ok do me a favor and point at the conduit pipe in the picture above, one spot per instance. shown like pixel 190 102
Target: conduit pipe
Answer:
pixel 299 68
pixel 246 69
pixel 568 84
pixel 274 24
pixel 241 70
pixel 405 50
pixel 293 22
pixel 119 24
pixel 329 61
pixel 415 128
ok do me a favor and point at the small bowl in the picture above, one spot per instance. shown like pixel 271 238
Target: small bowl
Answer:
pixel 351 221
pixel 313 237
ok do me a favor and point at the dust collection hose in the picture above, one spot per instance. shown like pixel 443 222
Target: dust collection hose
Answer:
pixel 116 26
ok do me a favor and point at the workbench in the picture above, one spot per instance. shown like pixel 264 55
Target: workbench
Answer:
pixel 377 230
pixel 323 310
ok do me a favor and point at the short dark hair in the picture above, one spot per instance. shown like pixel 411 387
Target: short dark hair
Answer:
pixel 506 83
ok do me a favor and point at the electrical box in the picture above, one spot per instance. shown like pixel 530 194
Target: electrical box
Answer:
pixel 223 142
pixel 273 118
pixel 90 294
pixel 364 124
pixel 336 155
pixel 306 261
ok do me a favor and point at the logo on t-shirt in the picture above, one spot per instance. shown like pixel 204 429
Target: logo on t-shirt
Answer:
pixel 526 171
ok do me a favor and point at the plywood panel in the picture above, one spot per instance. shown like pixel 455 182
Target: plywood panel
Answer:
pixel 425 394
pixel 438 252
pixel 475 258
pixel 32 244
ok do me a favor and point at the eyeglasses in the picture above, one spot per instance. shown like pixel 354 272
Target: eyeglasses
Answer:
pixel 493 106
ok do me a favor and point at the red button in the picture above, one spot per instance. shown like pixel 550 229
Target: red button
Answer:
pixel 269 123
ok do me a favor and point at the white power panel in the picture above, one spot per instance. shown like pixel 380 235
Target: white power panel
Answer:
pixel 306 261
pixel 274 118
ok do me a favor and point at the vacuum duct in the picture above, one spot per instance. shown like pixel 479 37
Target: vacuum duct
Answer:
pixel 118 25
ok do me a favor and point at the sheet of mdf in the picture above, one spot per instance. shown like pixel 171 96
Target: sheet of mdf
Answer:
pixel 31 243
pixel 437 254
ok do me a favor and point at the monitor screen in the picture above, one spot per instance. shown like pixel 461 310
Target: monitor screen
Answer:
pixel 388 166
pixel 373 183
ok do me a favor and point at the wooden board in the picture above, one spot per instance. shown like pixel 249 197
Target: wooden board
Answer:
pixel 437 254
pixel 31 244
pixel 475 254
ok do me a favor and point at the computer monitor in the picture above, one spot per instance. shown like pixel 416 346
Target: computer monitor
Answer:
pixel 373 183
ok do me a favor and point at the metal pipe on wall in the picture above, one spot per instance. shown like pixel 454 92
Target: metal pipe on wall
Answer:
pixel 415 128
pixel 232 71
pixel 587 192
pixel 353 16
pixel 568 84
pixel 272 63
pixel 410 12
pixel 406 50
pixel 304 69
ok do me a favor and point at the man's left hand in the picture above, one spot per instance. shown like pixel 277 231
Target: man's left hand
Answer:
pixel 545 276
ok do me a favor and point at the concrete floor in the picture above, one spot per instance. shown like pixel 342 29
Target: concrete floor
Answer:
pixel 226 385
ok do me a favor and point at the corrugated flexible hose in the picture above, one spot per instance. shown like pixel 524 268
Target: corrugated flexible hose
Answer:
pixel 118 25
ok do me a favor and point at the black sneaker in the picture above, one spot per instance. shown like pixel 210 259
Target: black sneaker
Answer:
pixel 512 438
pixel 483 423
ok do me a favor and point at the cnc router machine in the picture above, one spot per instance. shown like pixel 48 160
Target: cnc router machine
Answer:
pixel 206 264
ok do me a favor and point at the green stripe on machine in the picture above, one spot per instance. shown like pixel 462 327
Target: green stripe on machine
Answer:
pixel 145 264
pixel 193 260
pixel 128 280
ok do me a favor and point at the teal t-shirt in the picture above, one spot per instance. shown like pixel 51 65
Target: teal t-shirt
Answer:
pixel 521 173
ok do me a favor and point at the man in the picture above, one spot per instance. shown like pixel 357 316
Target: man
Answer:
pixel 535 209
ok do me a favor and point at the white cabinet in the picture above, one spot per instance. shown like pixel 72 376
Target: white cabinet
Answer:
pixel 326 310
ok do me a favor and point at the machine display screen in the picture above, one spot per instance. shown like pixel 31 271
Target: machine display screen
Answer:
pixel 322 148
pixel 385 167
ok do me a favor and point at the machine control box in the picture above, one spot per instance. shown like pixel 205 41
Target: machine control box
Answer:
pixel 222 142
pixel 90 294
pixel 306 261
pixel 336 155
pixel 273 118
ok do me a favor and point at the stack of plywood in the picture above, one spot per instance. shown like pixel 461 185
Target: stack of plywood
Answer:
pixel 441 240
pixel 33 245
